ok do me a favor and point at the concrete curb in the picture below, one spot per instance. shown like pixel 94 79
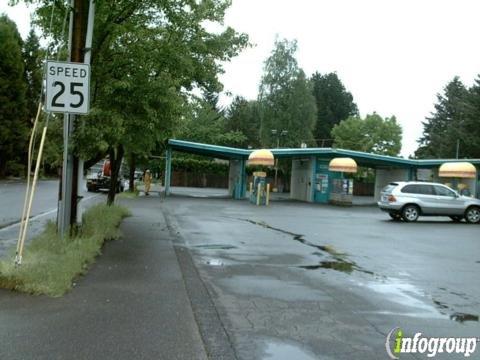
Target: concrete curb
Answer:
pixel 215 338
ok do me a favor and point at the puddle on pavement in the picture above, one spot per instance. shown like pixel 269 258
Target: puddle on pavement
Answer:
pixel 281 351
pixel 216 246
pixel 462 296
pixel 412 314
pixel 270 287
pixel 408 295
pixel 338 263
pixel 456 316
pixel 462 317
pixel 440 305
pixel 214 262
pixel 397 291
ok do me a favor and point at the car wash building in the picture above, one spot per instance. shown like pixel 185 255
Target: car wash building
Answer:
pixel 320 174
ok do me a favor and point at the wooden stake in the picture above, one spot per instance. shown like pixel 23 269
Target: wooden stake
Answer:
pixel 32 194
pixel 27 191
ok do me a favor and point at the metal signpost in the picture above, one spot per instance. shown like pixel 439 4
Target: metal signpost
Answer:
pixel 67 91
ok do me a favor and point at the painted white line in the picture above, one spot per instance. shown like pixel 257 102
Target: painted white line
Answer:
pixel 48 212
pixel 31 219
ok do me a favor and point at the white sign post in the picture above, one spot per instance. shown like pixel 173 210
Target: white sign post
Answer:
pixel 67 87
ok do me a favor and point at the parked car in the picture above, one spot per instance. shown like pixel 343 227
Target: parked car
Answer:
pixel 408 200
pixel 99 182
pixel 138 175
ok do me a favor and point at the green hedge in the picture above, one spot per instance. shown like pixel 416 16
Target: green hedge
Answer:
pixel 200 166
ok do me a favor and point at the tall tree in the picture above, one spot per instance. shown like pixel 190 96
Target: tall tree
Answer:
pixel 13 127
pixel 372 134
pixel 32 55
pixel 146 58
pixel 285 98
pixel 243 116
pixel 334 104
pixel 205 124
pixel 470 137
pixel 446 125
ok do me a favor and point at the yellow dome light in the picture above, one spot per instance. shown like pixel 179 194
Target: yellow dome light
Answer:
pixel 343 165
pixel 457 170
pixel 261 157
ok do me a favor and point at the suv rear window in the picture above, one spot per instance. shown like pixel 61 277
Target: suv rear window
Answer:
pixel 389 188
pixel 418 189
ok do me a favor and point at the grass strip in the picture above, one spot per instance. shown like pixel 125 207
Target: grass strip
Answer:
pixel 128 195
pixel 50 264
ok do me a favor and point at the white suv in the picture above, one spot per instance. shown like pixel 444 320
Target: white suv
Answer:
pixel 408 200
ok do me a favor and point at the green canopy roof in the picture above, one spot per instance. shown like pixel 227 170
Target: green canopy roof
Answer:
pixel 362 158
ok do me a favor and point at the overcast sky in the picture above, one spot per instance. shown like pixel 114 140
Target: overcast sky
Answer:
pixel 393 56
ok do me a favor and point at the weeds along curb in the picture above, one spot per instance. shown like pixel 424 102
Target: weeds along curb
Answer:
pixel 50 264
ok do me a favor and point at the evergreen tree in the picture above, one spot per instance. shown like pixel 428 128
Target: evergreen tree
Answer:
pixel 32 55
pixel 243 116
pixel 470 136
pixel 334 104
pixel 446 126
pixel 285 99
pixel 13 128
pixel 204 124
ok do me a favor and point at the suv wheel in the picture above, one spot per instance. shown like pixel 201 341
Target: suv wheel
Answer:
pixel 472 215
pixel 410 213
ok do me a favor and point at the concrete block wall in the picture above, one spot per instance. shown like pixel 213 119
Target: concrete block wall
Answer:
pixel 237 177
pixel 425 175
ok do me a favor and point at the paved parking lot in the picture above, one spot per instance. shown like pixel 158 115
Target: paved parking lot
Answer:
pixel 304 281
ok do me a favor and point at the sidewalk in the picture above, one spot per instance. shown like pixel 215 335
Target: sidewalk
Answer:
pixel 132 304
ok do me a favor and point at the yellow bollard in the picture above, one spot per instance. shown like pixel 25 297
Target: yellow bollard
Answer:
pixel 267 200
pixel 259 190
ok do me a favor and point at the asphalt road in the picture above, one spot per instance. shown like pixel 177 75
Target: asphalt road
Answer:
pixel 12 195
pixel 44 208
pixel 288 281
pixel 303 281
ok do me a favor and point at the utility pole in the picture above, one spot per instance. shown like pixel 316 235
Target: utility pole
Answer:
pixel 278 134
pixel 80 23
pixel 69 189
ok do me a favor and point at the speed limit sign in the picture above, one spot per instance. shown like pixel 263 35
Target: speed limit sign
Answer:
pixel 67 87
